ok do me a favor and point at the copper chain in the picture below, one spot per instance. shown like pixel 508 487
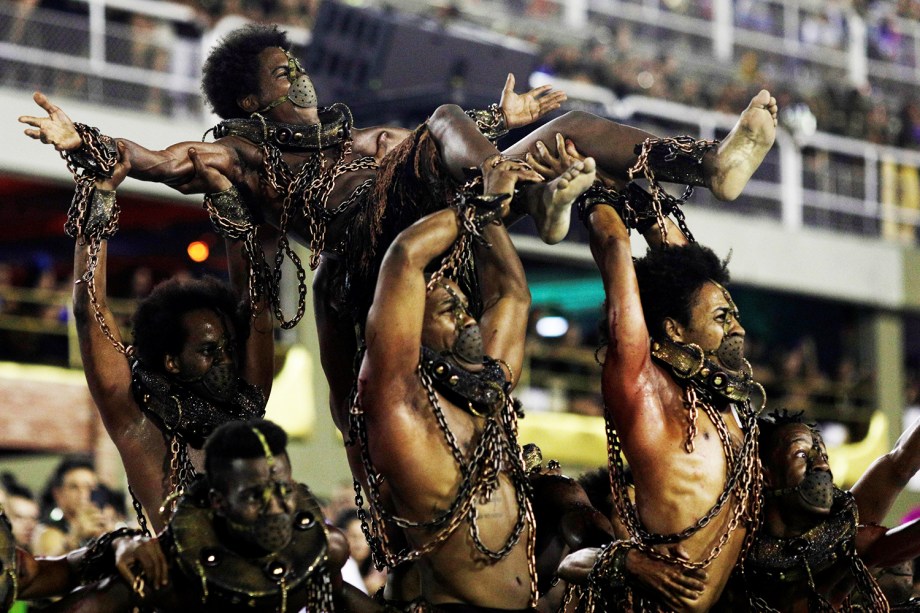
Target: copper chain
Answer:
pixel 308 189
pixel 77 213
pixel 743 481
pixel 496 452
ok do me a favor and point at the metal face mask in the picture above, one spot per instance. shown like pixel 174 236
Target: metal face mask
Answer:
pixel 816 489
pixel 730 351
pixel 301 93
pixel 220 383
pixel 272 531
pixel 468 344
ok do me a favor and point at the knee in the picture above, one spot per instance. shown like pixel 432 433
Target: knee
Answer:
pixel 445 112
pixel 576 119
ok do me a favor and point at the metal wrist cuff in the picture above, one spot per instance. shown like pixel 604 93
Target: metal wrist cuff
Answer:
pixel 229 215
pixel 673 160
pixel 98 154
pixel 102 216
pixel 97 560
pixel 490 121
pixel 610 566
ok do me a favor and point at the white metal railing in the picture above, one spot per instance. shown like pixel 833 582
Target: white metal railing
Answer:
pixel 806 176
pixel 142 64
pixel 804 180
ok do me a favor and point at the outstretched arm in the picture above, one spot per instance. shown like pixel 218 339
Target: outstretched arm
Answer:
pixel 880 485
pixel 171 166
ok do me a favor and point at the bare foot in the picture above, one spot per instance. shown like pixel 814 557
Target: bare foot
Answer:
pixel 745 147
pixel 554 201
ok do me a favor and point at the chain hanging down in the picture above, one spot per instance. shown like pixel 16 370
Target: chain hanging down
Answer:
pixel 306 192
pixel 93 213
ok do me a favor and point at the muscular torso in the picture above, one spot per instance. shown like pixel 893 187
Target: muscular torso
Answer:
pixel 674 488
pixel 421 480
pixel 247 177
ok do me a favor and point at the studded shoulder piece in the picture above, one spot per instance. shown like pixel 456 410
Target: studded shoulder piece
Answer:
pixel 794 559
pixel 180 411
pixel 222 573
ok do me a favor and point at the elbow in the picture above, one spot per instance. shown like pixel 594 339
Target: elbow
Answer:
pixel 402 255
pixel 903 466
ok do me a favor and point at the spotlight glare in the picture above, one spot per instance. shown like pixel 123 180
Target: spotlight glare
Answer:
pixel 552 326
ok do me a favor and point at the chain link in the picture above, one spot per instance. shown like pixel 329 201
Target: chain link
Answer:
pixel 307 191
pixel 743 482
pixel 496 452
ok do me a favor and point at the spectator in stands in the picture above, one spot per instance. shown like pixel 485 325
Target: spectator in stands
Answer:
pixel 21 509
pixel 69 517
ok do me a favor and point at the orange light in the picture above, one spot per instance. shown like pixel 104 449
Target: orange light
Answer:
pixel 198 251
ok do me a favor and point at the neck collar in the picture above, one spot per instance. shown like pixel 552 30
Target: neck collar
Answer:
pixel 796 558
pixel 180 411
pixel 333 129
pixel 690 362
pixel 482 393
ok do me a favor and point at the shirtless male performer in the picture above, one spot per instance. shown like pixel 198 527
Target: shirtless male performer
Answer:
pixel 434 420
pixel 817 543
pixel 197 362
pixel 308 170
pixel 676 389
pixel 244 537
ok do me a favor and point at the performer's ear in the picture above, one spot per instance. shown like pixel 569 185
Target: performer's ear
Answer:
pixel 248 104
pixel 767 477
pixel 171 364
pixel 673 329
pixel 217 501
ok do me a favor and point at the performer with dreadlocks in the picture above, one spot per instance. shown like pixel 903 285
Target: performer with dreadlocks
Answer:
pixel 816 542
pixel 434 423
pixel 676 387
pixel 309 170
pixel 245 537
pixel 198 360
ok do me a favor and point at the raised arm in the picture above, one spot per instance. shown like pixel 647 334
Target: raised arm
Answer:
pixel 394 322
pixel 505 295
pixel 880 485
pixel 107 371
pixel 171 166
pixel 259 362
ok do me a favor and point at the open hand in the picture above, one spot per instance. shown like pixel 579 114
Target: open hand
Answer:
pixel 551 165
pixel 56 129
pixel 523 109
